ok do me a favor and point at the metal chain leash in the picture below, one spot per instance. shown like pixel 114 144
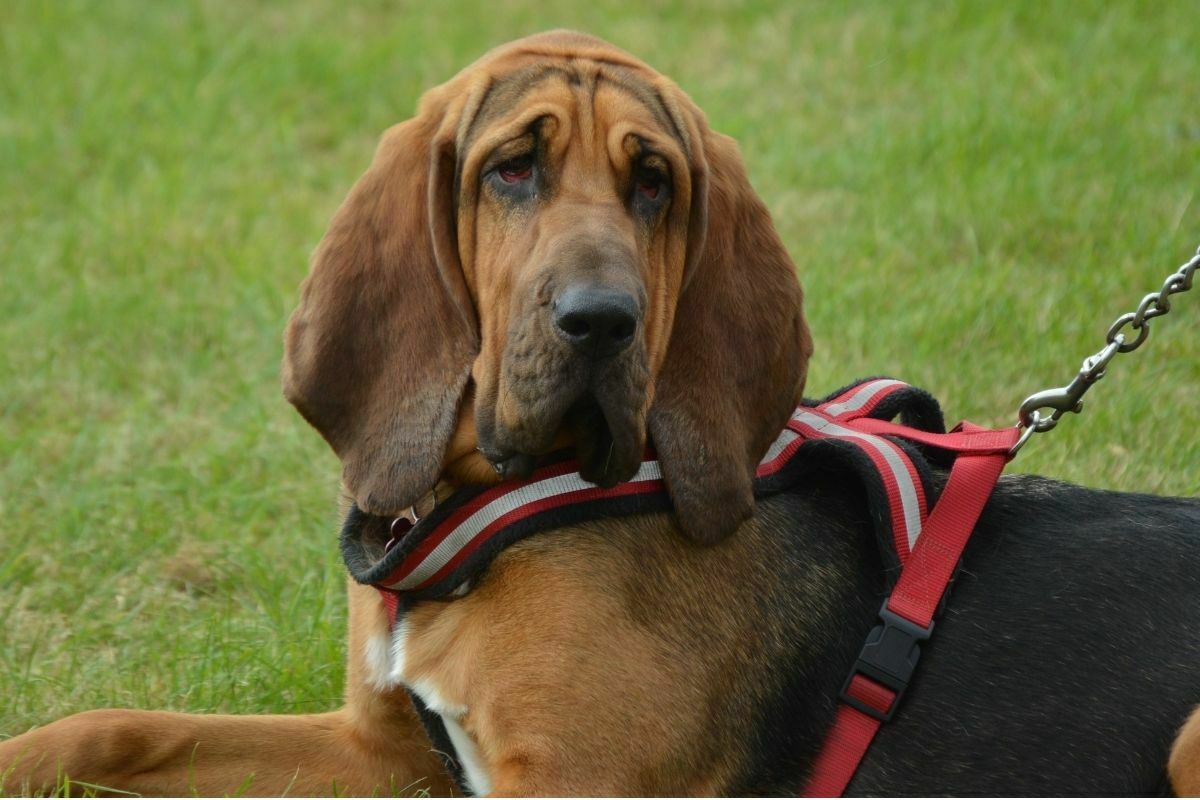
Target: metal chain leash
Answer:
pixel 1069 398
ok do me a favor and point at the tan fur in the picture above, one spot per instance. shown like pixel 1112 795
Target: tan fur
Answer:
pixel 373 744
pixel 572 676
pixel 588 700
pixel 1184 764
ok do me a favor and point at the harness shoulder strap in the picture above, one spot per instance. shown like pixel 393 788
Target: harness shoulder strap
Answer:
pixel 885 666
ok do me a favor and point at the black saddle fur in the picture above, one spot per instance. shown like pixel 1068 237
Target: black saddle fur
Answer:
pixel 1067 659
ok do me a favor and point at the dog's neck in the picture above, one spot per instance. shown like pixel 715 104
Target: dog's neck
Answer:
pixel 463 464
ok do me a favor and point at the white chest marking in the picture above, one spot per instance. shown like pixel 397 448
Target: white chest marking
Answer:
pixel 399 642
pixel 385 661
pixel 377 658
pixel 434 700
pixel 474 772
pixel 383 655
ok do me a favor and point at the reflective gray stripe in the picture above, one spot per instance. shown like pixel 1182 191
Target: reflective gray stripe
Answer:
pixel 860 398
pixel 909 503
pixel 785 438
pixel 474 524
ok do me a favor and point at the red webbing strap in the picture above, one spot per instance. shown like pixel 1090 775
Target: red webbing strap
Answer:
pixel 925 577
pixel 965 438
pixel 846 742
pixel 391 604
pixel 915 598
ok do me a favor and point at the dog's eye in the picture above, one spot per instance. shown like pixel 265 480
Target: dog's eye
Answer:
pixel 516 170
pixel 649 187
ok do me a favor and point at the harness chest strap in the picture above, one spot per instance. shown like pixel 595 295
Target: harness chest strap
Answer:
pixel 459 537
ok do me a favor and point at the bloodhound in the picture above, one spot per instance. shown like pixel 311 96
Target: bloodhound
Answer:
pixel 558 252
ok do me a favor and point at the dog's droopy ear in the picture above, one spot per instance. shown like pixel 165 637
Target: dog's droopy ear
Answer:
pixel 378 352
pixel 738 352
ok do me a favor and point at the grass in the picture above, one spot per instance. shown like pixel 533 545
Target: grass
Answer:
pixel 971 191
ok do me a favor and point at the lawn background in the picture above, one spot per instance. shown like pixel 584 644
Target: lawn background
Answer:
pixel 971 192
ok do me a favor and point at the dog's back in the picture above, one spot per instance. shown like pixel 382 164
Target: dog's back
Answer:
pixel 1066 662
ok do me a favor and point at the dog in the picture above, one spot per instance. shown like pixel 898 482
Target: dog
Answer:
pixel 557 251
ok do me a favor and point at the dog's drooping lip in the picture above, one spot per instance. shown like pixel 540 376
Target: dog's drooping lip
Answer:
pixel 594 441
pixel 587 422
pixel 608 431
pixel 598 406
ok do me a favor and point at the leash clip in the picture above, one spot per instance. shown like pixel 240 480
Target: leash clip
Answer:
pixel 888 658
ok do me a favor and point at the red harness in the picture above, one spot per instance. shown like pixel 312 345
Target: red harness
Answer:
pixel 878 679
pixel 461 538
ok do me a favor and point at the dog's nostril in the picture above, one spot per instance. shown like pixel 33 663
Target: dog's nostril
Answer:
pixel 597 321
pixel 574 325
pixel 623 330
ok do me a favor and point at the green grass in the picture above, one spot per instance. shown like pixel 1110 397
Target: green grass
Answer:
pixel 971 191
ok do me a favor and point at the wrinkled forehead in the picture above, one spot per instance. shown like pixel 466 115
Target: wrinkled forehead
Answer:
pixel 597 97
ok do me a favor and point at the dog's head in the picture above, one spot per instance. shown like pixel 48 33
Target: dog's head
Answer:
pixel 559 237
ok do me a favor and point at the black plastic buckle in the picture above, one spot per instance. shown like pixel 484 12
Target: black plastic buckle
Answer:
pixel 889 657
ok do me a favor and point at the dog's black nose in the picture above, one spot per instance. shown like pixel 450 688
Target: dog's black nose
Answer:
pixel 597 321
